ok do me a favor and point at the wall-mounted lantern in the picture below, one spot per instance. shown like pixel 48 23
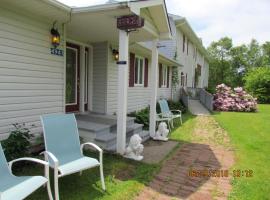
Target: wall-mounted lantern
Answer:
pixel 55 36
pixel 115 53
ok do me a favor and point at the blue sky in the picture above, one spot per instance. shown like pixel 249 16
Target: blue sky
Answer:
pixel 241 20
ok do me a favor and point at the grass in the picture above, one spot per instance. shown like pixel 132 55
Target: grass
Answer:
pixel 250 136
pixel 184 132
pixel 124 180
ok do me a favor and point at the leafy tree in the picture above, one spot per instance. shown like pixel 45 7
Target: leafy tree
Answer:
pixel 257 82
pixel 266 53
pixel 254 54
pixel 220 63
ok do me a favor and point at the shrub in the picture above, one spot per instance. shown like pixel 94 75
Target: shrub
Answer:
pixel 142 116
pixel 237 99
pixel 257 82
pixel 18 143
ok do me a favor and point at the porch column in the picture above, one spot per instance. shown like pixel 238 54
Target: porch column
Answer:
pixel 122 91
pixel 153 86
pixel 82 77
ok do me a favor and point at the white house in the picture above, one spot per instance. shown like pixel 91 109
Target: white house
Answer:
pixel 81 75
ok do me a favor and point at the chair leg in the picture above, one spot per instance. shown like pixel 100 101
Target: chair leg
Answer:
pixel 102 176
pixel 181 120
pixel 56 187
pixel 48 183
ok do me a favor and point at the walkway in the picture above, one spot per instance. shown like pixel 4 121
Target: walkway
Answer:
pixel 179 176
pixel 196 108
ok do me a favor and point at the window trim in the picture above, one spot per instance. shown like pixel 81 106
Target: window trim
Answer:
pixel 143 68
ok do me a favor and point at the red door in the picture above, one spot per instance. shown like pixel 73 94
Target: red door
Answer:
pixel 72 78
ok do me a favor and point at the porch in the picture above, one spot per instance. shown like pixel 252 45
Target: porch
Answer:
pixel 102 129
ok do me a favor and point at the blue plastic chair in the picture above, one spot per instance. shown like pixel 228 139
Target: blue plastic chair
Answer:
pixel 17 188
pixel 167 113
pixel 63 150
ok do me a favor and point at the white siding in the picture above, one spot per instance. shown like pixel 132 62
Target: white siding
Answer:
pixel 100 71
pixel 31 79
pixel 138 96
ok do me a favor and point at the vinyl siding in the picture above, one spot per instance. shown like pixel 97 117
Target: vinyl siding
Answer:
pixel 31 79
pixel 100 71
pixel 138 96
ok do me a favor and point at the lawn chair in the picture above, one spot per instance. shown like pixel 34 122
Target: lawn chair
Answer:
pixel 13 187
pixel 167 113
pixel 63 150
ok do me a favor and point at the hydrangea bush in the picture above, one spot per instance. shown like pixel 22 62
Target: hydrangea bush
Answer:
pixel 228 99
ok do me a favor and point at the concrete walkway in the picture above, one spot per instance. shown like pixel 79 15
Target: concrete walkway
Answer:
pixel 196 108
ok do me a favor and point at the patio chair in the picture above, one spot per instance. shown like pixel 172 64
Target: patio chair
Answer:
pixel 13 187
pixel 63 150
pixel 167 113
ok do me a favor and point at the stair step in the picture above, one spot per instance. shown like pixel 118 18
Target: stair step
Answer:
pixel 93 127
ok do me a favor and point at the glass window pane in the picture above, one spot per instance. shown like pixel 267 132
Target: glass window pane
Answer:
pixel 136 70
pixel 141 72
pixel 71 76
pixel 86 78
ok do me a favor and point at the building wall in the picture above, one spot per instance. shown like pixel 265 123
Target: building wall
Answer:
pixel 100 77
pixel 31 79
pixel 138 96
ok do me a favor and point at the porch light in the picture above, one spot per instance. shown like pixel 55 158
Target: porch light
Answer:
pixel 115 53
pixel 55 36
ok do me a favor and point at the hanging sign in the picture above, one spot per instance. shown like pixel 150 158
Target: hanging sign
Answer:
pixel 128 22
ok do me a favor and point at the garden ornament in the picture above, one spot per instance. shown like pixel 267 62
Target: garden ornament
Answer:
pixel 135 148
pixel 162 132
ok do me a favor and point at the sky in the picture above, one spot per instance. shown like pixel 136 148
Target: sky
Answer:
pixel 240 20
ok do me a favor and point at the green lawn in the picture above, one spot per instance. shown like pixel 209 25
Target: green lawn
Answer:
pixel 250 136
pixel 124 179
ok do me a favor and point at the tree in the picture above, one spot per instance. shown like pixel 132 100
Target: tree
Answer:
pixel 266 53
pixel 220 63
pixel 254 55
pixel 257 82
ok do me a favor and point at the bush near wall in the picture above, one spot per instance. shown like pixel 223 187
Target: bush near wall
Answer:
pixel 257 82
pixel 142 116
pixel 237 100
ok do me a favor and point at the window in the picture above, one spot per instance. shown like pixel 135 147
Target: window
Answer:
pixel 182 79
pixel 164 76
pixel 187 46
pixel 184 42
pixel 139 71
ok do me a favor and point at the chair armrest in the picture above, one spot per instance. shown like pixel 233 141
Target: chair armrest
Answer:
pixel 50 155
pixel 179 111
pixel 92 145
pixel 46 164
pixel 96 147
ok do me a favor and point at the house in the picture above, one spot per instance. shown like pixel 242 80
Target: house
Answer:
pixel 82 76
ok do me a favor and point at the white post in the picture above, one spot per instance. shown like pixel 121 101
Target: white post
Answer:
pixel 82 77
pixel 122 92
pixel 153 86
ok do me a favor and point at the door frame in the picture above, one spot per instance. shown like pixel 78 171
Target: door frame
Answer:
pixel 75 107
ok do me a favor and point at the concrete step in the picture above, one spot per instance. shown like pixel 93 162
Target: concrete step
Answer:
pixel 93 127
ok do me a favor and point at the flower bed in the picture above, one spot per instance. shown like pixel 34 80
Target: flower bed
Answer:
pixel 237 100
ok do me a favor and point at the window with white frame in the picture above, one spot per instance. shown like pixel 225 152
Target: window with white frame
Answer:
pixel 164 76
pixel 139 71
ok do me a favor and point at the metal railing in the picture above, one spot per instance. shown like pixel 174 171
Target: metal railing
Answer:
pixel 206 99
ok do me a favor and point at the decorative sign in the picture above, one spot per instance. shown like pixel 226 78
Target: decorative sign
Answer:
pixel 57 52
pixel 128 22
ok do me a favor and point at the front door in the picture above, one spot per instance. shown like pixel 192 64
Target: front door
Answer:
pixel 72 78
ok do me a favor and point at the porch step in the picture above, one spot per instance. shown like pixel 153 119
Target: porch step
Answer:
pixel 110 139
pixel 93 127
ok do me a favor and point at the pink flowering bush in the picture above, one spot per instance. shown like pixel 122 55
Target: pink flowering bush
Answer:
pixel 237 100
